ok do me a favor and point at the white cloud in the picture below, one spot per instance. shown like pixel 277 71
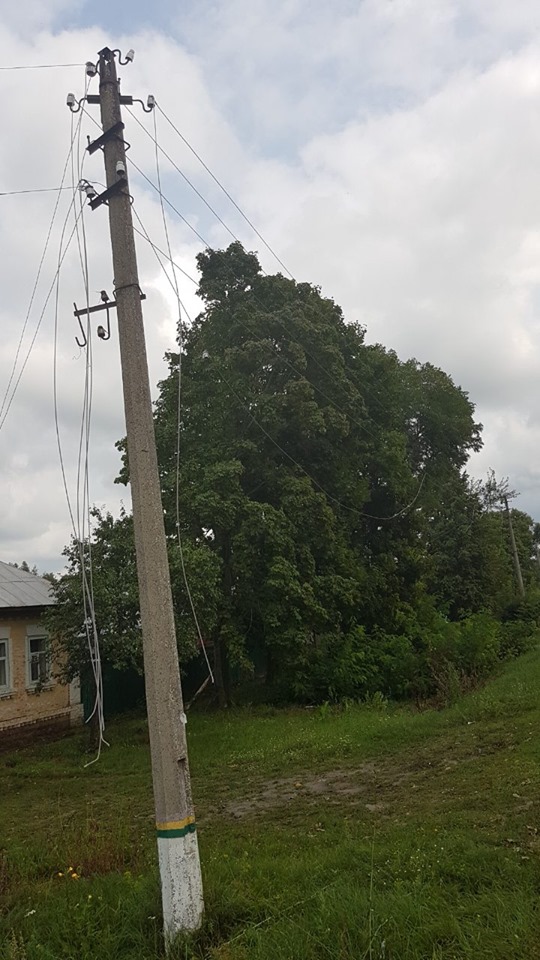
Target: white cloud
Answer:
pixel 388 151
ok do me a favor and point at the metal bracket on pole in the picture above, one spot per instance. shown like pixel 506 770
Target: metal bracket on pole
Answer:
pixel 95 98
pixel 105 305
pixel 78 314
pixel 113 131
pixel 108 193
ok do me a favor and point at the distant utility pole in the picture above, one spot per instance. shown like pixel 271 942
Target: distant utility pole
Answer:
pixel 515 556
pixel 179 865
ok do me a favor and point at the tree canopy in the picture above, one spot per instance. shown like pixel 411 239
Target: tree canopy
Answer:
pixel 324 509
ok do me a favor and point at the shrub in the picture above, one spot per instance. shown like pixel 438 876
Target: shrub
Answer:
pixel 479 645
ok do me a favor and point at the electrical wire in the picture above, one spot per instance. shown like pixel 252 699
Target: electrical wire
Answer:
pixel 253 337
pixel 224 190
pixel 207 244
pixel 228 195
pixel 83 485
pixel 142 233
pixel 181 172
pixel 40 320
pixel 158 254
pixel 300 373
pixel 179 422
pixel 168 202
pixel 362 426
pixel 15 193
pixel 42 66
pixel 394 516
pixel 81 521
pixel 38 275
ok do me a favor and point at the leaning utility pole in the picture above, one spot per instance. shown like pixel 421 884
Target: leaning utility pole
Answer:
pixel 515 555
pixel 179 865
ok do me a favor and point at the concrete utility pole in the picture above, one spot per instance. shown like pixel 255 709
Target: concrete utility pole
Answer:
pixel 179 865
pixel 515 556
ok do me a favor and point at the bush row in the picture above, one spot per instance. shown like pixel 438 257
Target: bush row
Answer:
pixel 425 656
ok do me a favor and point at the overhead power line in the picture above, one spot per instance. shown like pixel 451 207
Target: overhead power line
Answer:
pixel 3 409
pixel 334 403
pixel 208 245
pixel 14 193
pixel 224 190
pixel 41 66
pixel 181 307
pixel 182 174
pixel 143 233
pixel 168 202
pixel 36 331
pixel 323 368
pixel 163 197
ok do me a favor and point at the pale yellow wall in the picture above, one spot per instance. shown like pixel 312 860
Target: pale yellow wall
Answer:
pixel 24 705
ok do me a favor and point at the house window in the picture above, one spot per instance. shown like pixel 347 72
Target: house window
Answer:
pixel 39 661
pixel 5 680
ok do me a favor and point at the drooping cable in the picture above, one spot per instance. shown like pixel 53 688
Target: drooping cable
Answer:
pixel 179 421
pixel 81 518
pixel 89 621
pixel 40 320
pixel 207 244
pixel 158 253
pixel 83 484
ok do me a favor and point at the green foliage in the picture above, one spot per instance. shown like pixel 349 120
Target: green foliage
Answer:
pixel 295 438
pixel 335 544
pixel 114 578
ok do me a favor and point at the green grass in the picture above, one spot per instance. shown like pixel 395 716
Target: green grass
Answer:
pixel 422 841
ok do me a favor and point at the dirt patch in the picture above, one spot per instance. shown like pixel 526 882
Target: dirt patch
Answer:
pixel 362 785
pixel 381 787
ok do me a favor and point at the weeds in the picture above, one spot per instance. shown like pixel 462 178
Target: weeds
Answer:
pixel 15 947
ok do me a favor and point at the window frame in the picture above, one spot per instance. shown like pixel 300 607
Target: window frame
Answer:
pixel 33 633
pixel 7 688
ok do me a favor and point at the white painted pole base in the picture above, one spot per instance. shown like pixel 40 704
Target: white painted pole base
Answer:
pixel 181 884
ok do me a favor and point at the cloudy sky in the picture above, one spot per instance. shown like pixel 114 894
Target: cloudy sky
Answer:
pixel 388 150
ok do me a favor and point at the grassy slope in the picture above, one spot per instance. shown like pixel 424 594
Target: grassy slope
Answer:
pixel 377 833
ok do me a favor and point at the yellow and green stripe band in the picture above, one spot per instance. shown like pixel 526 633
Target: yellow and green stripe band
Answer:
pixel 176 828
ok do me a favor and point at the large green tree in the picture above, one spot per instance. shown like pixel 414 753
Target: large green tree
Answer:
pixel 323 508
pixel 306 460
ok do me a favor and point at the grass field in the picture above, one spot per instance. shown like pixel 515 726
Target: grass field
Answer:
pixel 369 832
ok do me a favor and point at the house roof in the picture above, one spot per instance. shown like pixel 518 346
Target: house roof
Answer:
pixel 21 589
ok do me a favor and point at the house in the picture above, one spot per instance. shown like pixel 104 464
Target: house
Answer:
pixel 31 698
